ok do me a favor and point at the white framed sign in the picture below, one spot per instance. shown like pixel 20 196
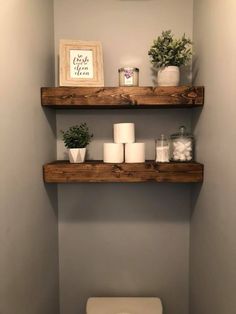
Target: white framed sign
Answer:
pixel 81 63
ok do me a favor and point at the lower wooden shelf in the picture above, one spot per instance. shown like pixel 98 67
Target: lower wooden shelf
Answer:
pixel 97 171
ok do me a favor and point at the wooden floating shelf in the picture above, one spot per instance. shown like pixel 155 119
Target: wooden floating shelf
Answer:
pixel 122 97
pixel 97 171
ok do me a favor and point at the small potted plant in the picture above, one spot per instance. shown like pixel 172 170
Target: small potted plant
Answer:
pixel 76 138
pixel 167 55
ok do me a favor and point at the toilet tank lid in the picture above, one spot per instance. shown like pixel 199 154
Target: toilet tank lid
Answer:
pixel 122 305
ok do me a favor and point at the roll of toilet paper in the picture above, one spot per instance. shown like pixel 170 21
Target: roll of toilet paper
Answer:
pixel 124 133
pixel 134 152
pixel 113 153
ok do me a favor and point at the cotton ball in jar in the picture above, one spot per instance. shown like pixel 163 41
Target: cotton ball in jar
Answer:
pixel 182 146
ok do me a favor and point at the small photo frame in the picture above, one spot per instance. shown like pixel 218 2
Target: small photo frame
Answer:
pixel 81 63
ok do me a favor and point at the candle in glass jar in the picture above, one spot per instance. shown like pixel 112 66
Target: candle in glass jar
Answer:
pixel 128 76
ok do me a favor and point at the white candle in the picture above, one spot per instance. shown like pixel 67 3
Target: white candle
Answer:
pixel 134 152
pixel 113 153
pixel 124 133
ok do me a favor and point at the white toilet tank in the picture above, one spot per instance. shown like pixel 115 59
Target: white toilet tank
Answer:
pixel 124 306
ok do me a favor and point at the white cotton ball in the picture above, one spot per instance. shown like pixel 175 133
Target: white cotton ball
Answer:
pixel 187 154
pixel 176 152
pixel 180 147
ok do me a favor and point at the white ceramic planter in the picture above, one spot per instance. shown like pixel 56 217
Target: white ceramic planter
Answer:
pixel 168 76
pixel 77 155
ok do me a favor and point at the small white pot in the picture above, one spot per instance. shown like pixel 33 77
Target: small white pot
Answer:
pixel 77 155
pixel 168 76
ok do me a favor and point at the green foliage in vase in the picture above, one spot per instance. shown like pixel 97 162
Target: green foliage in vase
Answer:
pixel 77 136
pixel 168 51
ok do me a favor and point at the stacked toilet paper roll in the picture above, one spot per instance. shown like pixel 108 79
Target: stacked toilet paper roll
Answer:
pixel 134 152
pixel 124 133
pixel 124 146
pixel 113 152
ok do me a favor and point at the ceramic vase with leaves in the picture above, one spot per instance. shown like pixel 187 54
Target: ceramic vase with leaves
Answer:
pixel 76 138
pixel 168 55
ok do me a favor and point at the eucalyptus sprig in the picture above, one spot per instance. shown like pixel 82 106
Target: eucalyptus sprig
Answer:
pixel 169 51
pixel 77 136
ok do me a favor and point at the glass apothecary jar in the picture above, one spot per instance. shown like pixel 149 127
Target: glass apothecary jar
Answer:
pixel 162 149
pixel 182 146
pixel 128 76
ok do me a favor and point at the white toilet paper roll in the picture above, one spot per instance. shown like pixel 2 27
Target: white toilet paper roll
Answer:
pixel 113 153
pixel 134 152
pixel 124 133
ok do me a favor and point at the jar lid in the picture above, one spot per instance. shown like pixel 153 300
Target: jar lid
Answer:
pixel 128 69
pixel 182 132
pixel 162 140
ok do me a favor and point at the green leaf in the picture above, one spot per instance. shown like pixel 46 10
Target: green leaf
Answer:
pixel 167 50
pixel 77 136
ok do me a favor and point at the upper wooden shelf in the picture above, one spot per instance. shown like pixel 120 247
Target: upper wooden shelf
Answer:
pixel 122 97
pixel 97 171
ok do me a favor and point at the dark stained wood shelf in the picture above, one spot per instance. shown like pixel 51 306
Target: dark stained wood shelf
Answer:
pixel 122 97
pixel 97 171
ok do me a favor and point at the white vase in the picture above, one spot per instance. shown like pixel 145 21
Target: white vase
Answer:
pixel 168 76
pixel 77 155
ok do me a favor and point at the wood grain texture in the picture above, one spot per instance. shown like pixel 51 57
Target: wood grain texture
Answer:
pixel 122 97
pixel 97 171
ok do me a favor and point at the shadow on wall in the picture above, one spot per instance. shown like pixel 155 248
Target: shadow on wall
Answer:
pixel 51 118
pixel 149 122
pixel 195 195
pixel 120 202
pixel 51 191
pixel 195 118
pixel 195 69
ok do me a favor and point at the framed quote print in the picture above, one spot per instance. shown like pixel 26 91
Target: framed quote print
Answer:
pixel 81 63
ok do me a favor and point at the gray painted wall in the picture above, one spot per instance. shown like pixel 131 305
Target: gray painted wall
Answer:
pixel 213 237
pixel 28 215
pixel 119 239
pixel 114 239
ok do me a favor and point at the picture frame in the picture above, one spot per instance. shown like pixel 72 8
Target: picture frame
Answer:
pixel 81 63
